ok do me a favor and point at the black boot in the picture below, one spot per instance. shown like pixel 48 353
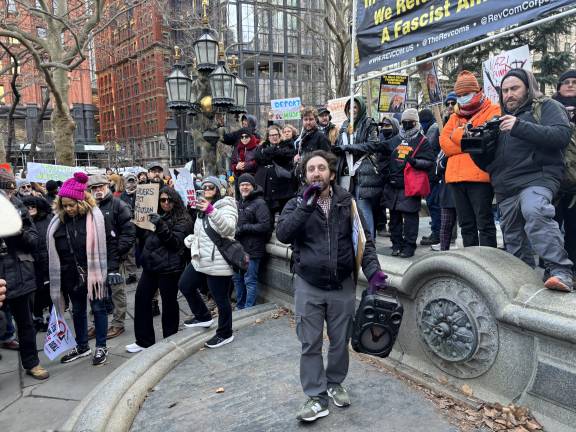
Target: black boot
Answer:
pixel 155 308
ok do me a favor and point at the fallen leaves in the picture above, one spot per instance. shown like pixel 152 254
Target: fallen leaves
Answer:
pixel 467 390
pixel 220 390
pixel 510 418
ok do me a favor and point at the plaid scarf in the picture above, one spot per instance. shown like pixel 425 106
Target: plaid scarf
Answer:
pixel 95 256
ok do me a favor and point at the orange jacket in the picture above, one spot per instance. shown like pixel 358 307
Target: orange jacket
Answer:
pixel 460 166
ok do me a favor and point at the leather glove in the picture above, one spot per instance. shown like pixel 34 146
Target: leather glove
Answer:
pixel 377 282
pixel 114 279
pixel 155 219
pixel 310 196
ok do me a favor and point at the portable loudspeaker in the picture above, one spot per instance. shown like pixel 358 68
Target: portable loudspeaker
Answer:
pixel 376 325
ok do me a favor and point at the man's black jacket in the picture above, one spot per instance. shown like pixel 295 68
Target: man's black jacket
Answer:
pixel 254 226
pixel 120 231
pixel 323 247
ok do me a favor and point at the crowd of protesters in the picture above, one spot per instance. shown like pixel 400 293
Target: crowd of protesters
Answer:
pixel 79 247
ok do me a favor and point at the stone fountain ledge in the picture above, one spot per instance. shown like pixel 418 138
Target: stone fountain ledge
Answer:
pixel 112 405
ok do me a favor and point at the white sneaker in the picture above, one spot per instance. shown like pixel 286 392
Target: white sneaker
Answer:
pixel 134 348
pixel 435 247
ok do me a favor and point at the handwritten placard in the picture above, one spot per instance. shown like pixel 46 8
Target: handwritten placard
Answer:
pixel 145 204
pixel 41 173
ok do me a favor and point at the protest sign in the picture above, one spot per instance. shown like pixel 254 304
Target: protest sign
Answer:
pixel 41 173
pixel 392 31
pixel 392 93
pixel 59 338
pixel 184 185
pixel 5 167
pixel 286 109
pixel 336 108
pixel 495 68
pixel 145 204
pixel 431 82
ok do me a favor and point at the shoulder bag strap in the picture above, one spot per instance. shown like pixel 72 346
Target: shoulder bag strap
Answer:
pixel 212 234
pixel 72 252
pixel 418 146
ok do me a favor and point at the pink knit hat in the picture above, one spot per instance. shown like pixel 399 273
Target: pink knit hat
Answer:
pixel 74 188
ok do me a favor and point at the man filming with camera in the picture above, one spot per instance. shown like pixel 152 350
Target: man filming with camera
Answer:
pixel 526 167
pixel 318 224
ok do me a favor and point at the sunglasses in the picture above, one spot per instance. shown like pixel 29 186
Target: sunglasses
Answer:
pixel 165 200
pixel 25 187
pixel 208 187
pixel 569 82
pixel 451 103
pixel 244 136
pixel 273 135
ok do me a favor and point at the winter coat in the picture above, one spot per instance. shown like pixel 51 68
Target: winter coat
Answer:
pixel 383 157
pixel 69 277
pixel 433 135
pixel 129 198
pixel 274 188
pixel 16 260
pixel 120 231
pixel 461 167
pixel 41 252
pixel 312 140
pixel 163 250
pixel 206 258
pixel 254 224
pixel 323 247
pixel 368 180
pixel 246 154
pixel 393 196
pixel 531 154
pixel 233 138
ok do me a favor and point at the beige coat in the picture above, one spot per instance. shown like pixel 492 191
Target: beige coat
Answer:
pixel 206 257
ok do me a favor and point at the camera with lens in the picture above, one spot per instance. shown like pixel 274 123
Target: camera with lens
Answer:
pixel 481 139
pixel 376 324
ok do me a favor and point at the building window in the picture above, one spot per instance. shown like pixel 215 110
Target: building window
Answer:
pixel 263 30
pixel 232 21
pixel 264 81
pixel 11 6
pixel 278 81
pixel 248 25
pixel 2 95
pixel 278 32
pixel 292 33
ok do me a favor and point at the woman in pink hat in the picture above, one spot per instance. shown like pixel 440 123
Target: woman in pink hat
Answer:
pixel 77 261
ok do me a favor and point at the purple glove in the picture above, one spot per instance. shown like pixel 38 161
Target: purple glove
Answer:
pixel 310 195
pixel 209 209
pixel 377 282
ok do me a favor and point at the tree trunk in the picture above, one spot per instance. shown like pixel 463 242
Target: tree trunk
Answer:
pixel 62 122
pixel 38 127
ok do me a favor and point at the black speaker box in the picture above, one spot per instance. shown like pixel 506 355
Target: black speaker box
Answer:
pixel 376 324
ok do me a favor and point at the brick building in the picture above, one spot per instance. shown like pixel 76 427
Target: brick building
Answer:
pixel 132 60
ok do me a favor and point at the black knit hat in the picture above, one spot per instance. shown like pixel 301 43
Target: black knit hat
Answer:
pixel 568 74
pixel 7 180
pixel 244 131
pixel 52 186
pixel 426 115
pixel 517 73
pixel 247 178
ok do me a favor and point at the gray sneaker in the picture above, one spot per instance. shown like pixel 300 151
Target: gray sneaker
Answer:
pixel 313 409
pixel 339 395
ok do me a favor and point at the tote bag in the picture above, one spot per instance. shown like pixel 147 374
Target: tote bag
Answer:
pixel 416 181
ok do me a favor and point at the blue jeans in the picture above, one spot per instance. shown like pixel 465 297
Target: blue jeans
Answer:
pixel 247 285
pixel 434 209
pixel 79 300
pixel 10 329
pixel 367 207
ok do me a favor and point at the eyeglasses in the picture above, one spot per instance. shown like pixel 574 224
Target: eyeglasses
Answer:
pixel 273 135
pixel 450 103
pixel 165 200
pixel 569 82
pixel 244 136
pixel 208 187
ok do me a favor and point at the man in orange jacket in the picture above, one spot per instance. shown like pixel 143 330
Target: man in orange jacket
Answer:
pixel 471 188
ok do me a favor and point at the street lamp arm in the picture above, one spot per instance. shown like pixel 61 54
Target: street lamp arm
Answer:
pixel 238 44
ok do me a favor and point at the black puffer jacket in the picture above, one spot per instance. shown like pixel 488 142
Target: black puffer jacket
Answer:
pixel 368 180
pixel 120 231
pixel 254 224
pixel 129 199
pixel 163 250
pixel 274 188
pixel 77 231
pixel 16 261
pixel 323 248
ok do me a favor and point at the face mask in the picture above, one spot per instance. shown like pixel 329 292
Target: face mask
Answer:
pixel 387 132
pixel 407 125
pixel 465 100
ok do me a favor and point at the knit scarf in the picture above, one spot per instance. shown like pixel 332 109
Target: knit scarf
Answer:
pixel 473 107
pixel 410 133
pixel 95 256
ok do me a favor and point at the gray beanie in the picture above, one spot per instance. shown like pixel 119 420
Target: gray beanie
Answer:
pixel 214 180
pixel 410 114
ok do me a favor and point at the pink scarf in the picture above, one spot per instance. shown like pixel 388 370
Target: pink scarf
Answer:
pixel 96 286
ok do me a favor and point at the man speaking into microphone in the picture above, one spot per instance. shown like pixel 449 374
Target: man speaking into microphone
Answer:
pixel 318 224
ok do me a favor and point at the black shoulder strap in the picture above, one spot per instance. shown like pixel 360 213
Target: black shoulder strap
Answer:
pixel 212 234
pixel 72 252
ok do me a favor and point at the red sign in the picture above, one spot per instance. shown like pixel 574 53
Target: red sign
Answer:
pixel 6 167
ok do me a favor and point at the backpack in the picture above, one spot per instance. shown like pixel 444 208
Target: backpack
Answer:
pixel 568 184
